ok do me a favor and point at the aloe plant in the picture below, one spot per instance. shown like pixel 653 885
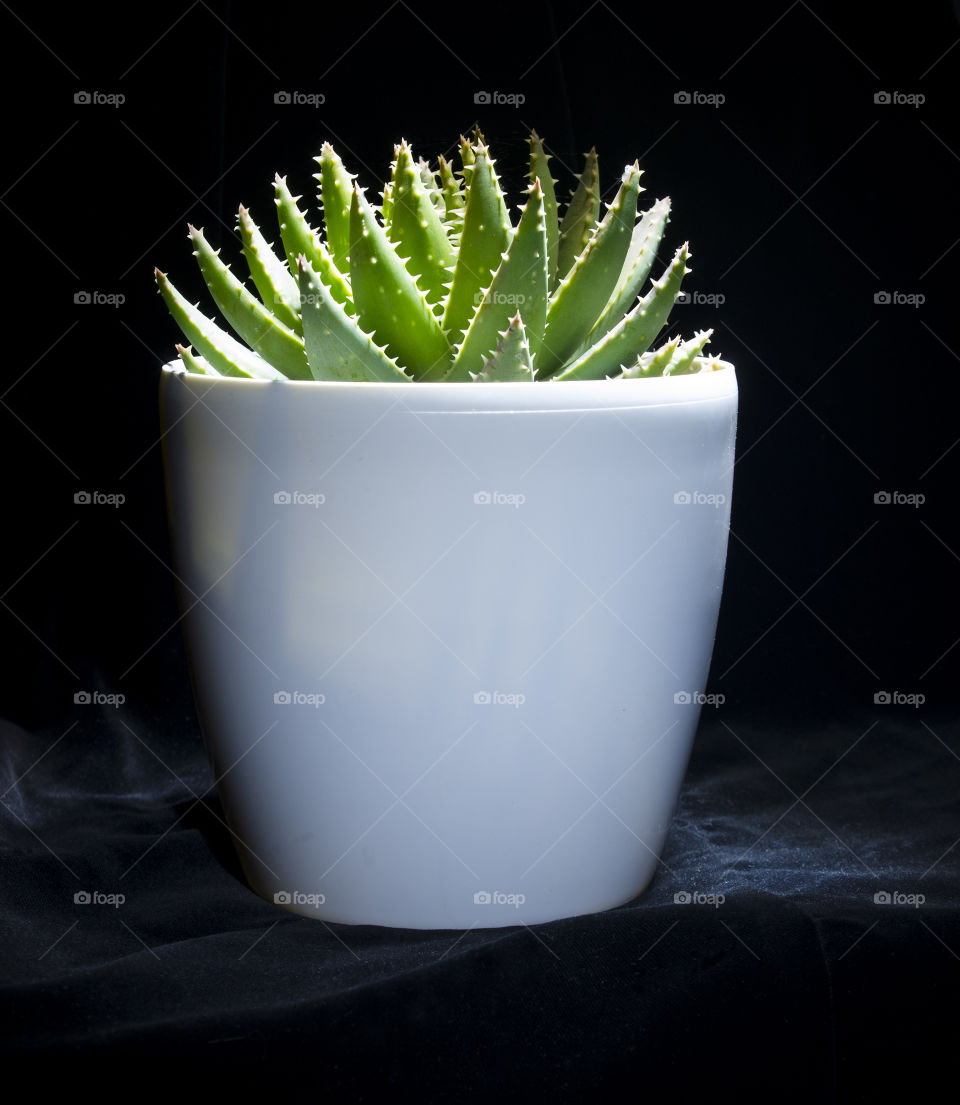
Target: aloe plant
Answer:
pixel 438 284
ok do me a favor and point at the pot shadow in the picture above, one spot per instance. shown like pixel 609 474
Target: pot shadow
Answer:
pixel 207 817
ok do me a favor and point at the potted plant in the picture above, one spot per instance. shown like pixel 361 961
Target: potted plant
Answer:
pixel 451 539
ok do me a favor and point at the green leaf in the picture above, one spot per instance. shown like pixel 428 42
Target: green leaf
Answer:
pixel 221 349
pixel 652 363
pixel 270 275
pixel 388 300
pixel 634 332
pixel 484 239
pixel 299 237
pixel 540 170
pixel 585 289
pixel 193 363
pixel 519 285
pixel 581 215
pixel 644 244
pixel 336 189
pixel 416 230
pixel 511 361
pixel 260 329
pixel 337 349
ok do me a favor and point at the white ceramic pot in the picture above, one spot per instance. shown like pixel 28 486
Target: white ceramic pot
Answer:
pixel 449 642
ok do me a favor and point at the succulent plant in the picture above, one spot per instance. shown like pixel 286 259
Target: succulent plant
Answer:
pixel 437 283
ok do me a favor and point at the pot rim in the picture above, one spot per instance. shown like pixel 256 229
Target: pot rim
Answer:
pixel 692 388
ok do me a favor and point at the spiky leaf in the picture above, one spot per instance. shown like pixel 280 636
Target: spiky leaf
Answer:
pixel 299 237
pixel 644 243
pixel 258 327
pixel 540 170
pixel 585 289
pixel 193 363
pixel 337 349
pixel 581 215
pixel 483 240
pixel 416 229
pixel 635 331
pixel 270 275
pixel 510 362
pixel 336 188
pixel 228 356
pixel 519 284
pixel 389 303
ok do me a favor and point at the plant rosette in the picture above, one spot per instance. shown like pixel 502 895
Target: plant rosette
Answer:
pixel 449 630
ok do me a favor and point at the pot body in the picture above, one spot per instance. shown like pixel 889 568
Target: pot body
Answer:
pixel 449 641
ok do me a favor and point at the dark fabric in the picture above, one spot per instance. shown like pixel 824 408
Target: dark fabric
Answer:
pixel 798 985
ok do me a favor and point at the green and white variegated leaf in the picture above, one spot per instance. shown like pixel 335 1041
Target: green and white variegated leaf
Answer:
pixel 269 274
pixel 228 356
pixel 389 301
pixel 519 284
pixel 257 326
pixel 635 332
pixel 510 362
pixel 337 349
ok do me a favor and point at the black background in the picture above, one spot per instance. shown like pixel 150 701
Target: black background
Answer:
pixel 803 198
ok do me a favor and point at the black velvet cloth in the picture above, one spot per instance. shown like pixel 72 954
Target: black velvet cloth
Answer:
pixel 782 977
